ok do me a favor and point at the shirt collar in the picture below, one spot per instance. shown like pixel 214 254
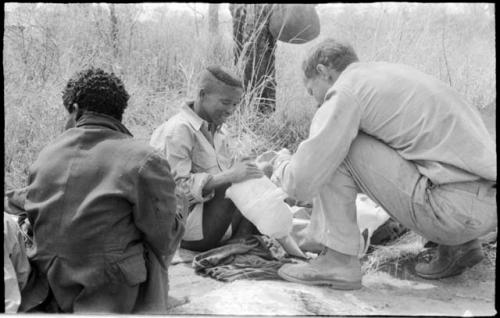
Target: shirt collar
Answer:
pixel 194 119
pixel 90 118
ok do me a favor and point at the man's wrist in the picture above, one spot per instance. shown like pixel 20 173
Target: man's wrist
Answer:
pixel 219 179
pixel 206 189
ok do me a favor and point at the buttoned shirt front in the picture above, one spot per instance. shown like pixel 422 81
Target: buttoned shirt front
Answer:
pixel 422 118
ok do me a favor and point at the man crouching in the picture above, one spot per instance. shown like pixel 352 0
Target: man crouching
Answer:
pixel 103 207
pixel 409 142
pixel 196 146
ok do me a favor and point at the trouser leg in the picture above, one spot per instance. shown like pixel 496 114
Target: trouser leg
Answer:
pixel 333 219
pixel 442 214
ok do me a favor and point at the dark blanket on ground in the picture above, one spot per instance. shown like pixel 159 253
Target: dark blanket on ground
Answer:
pixel 253 257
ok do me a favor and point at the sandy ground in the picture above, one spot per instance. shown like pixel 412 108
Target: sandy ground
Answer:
pixel 470 294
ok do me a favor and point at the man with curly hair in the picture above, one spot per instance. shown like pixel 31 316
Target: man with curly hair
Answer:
pixel 103 207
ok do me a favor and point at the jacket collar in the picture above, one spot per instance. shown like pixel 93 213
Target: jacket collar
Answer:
pixel 90 118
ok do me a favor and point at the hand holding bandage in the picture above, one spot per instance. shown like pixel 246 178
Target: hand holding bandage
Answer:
pixel 269 161
pixel 244 170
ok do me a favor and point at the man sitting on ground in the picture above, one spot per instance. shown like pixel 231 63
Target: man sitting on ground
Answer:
pixel 408 141
pixel 196 145
pixel 103 207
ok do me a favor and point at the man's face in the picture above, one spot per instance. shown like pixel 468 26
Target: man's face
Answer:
pixel 317 87
pixel 221 103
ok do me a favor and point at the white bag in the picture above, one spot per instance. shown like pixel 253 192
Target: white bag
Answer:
pixel 370 217
pixel 261 202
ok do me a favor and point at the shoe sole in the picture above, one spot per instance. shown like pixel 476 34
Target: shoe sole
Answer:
pixel 333 283
pixel 467 260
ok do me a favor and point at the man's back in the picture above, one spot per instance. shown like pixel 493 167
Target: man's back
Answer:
pixel 103 207
pixel 422 118
pixel 88 177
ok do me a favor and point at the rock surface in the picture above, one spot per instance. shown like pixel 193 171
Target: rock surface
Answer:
pixel 471 293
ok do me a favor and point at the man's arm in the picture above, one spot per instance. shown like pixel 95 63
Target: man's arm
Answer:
pixel 178 145
pixel 239 172
pixel 333 128
pixel 199 187
pixel 156 212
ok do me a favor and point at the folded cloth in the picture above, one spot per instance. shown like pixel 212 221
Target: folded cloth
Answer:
pixel 255 257
pixel 183 256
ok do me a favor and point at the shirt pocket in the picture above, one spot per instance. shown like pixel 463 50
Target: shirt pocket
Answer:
pixel 204 158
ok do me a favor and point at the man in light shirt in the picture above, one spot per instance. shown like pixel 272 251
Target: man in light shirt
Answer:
pixel 408 141
pixel 196 146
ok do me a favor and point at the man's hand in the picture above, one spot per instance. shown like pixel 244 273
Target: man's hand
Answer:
pixel 242 171
pixel 292 202
pixel 239 172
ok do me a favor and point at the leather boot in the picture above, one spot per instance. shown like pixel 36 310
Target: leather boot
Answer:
pixel 451 260
pixel 324 270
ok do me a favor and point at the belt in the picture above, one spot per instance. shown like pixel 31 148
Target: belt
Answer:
pixel 480 188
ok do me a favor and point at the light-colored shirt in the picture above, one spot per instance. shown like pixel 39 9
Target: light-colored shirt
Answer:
pixel 194 151
pixel 422 118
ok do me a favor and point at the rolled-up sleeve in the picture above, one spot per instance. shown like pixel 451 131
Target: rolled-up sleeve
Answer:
pixel 333 128
pixel 179 143
pixel 157 212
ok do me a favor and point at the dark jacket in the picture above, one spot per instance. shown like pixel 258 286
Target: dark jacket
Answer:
pixel 102 206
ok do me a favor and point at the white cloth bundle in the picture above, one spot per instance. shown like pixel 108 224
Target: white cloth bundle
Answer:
pixel 370 217
pixel 261 202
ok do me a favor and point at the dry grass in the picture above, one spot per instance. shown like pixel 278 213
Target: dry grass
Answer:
pixel 159 61
pixel 397 253
pixel 399 257
pixel 490 251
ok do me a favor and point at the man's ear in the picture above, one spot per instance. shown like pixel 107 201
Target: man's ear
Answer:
pixel 327 73
pixel 73 117
pixel 323 71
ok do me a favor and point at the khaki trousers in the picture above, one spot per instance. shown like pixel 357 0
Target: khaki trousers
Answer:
pixel 449 214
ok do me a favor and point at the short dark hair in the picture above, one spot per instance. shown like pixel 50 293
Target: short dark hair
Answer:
pixel 95 90
pixel 331 53
pixel 224 76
